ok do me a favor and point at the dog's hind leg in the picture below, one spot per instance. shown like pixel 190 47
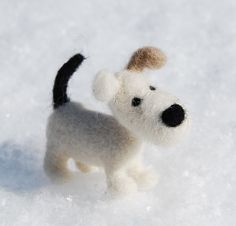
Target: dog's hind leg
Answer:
pixel 55 166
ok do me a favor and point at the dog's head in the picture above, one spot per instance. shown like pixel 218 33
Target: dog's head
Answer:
pixel 141 107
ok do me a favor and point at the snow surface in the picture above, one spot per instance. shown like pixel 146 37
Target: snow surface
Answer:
pixel 197 177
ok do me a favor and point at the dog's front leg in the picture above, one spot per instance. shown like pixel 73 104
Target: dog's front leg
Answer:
pixel 119 182
pixel 145 177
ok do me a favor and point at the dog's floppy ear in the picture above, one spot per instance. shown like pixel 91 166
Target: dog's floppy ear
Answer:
pixel 146 57
pixel 105 86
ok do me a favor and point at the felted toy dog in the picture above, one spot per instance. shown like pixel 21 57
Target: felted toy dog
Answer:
pixel 140 111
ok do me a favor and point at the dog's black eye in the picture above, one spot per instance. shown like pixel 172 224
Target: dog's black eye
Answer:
pixel 152 88
pixel 136 101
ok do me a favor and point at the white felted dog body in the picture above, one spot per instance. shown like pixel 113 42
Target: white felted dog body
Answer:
pixel 140 111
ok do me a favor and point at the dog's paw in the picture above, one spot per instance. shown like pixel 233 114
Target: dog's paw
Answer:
pixel 146 179
pixel 122 186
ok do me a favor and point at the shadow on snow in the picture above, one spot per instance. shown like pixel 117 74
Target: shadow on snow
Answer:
pixel 20 169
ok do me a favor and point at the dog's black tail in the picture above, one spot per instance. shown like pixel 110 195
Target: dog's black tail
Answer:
pixel 63 75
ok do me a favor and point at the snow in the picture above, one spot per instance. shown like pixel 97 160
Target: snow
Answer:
pixel 197 183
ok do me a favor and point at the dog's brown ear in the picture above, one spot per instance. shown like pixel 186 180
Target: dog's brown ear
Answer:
pixel 146 57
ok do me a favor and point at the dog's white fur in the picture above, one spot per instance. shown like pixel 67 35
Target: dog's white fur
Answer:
pixel 112 142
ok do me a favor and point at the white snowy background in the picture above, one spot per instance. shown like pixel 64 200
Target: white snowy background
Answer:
pixel 197 183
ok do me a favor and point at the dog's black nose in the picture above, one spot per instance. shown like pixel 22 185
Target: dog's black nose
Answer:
pixel 173 116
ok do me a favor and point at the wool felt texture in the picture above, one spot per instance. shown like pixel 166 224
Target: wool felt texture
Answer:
pixel 140 112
